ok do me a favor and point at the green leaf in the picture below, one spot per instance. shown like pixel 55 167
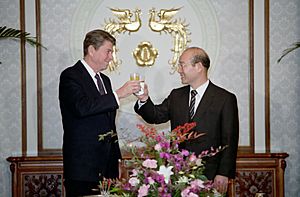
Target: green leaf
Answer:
pixel 288 50
pixel 10 33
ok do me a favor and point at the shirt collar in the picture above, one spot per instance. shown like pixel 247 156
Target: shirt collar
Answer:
pixel 88 68
pixel 201 88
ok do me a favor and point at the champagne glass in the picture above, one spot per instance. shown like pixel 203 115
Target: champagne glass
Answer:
pixel 141 79
pixel 134 76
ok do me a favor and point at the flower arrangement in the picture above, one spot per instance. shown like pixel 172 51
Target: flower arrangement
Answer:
pixel 161 168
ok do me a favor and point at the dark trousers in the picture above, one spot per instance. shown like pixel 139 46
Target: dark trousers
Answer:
pixel 80 188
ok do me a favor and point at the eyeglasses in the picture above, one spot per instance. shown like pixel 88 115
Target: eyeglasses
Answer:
pixel 182 65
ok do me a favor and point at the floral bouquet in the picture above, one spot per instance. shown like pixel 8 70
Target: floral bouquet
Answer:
pixel 162 169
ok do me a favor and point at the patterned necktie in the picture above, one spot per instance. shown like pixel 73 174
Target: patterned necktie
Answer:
pixel 192 103
pixel 100 85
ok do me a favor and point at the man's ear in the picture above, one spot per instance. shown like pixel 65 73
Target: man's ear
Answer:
pixel 200 66
pixel 91 50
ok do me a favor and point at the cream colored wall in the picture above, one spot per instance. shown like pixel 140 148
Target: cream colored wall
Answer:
pixel 209 27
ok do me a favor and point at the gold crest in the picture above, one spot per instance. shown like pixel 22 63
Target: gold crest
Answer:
pixel 145 54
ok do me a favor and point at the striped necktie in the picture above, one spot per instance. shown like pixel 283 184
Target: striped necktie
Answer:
pixel 100 85
pixel 192 103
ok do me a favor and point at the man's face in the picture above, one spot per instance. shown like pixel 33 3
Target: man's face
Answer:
pixel 189 73
pixel 102 56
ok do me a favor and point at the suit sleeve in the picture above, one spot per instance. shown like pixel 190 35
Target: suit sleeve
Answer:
pixel 76 96
pixel 154 114
pixel 230 136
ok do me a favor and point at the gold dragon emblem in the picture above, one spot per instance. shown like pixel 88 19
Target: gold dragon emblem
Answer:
pixel 162 21
pixel 177 28
pixel 125 23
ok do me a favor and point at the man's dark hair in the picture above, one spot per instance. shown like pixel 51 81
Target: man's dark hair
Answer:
pixel 200 56
pixel 96 38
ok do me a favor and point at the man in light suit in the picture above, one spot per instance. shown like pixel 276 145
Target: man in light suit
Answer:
pixel 88 108
pixel 215 112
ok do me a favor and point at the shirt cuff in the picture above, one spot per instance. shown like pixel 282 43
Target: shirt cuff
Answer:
pixel 141 103
pixel 117 98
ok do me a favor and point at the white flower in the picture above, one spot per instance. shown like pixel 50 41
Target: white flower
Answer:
pixel 183 179
pixel 192 195
pixel 166 172
pixel 199 162
pixel 216 193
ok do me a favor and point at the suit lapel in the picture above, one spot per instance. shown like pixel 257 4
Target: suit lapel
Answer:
pixel 86 78
pixel 206 101
pixel 184 103
pixel 88 81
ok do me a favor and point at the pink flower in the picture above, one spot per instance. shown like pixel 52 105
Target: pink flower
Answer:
pixel 185 152
pixel 165 170
pixel 165 145
pixel 143 191
pixel 159 138
pixel 197 183
pixel 134 172
pixel 192 157
pixel 133 181
pixel 185 192
pixel 188 193
pixel 150 163
pixel 164 155
pixel 157 147
pixel 150 180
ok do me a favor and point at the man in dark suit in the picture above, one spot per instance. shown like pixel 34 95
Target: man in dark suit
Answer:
pixel 213 109
pixel 88 108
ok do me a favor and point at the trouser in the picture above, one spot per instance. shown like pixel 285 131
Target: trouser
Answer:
pixel 80 188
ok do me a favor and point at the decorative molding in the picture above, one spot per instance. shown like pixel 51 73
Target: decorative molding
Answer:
pixel 23 80
pixel 251 61
pixel 267 78
pixel 41 184
pixel 251 182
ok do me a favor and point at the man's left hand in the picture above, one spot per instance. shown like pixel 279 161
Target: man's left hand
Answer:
pixel 221 183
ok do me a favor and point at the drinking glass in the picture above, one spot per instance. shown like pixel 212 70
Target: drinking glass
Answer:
pixel 141 79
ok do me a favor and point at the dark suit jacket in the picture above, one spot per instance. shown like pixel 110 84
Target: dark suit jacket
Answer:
pixel 85 115
pixel 216 116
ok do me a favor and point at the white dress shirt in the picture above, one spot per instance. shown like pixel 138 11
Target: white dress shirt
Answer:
pixel 92 74
pixel 200 92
